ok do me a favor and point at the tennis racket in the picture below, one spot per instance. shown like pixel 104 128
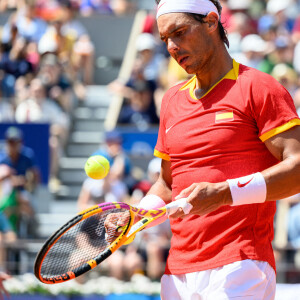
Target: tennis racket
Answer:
pixel 86 240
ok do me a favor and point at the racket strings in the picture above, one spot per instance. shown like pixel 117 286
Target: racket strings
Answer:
pixel 81 243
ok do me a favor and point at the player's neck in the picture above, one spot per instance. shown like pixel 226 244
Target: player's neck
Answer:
pixel 214 72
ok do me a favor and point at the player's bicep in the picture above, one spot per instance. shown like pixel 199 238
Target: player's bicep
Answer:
pixel 166 173
pixel 162 187
pixel 285 144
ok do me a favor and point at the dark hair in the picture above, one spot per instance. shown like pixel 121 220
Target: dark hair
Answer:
pixel 199 17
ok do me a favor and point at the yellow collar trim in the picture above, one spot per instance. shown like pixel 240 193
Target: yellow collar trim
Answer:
pixel 233 74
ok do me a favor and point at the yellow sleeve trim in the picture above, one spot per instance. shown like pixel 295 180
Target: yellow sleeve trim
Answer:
pixel 279 129
pixel 163 156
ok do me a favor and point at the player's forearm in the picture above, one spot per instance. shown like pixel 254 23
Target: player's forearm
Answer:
pixel 158 195
pixel 283 179
pixel 162 190
pixel 275 183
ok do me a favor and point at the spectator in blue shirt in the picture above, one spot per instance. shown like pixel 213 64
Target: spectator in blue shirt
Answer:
pixel 114 152
pixel 88 7
pixel 120 164
pixel 21 159
pixel 24 179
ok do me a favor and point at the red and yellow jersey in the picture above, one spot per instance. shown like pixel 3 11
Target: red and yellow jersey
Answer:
pixel 218 137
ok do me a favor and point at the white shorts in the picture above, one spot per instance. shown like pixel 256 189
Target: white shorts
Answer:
pixel 246 279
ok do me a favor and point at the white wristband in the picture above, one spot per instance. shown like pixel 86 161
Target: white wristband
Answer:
pixel 248 189
pixel 151 201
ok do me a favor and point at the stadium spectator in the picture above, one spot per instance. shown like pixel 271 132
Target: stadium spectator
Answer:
pixel 287 76
pixel 32 55
pixel 148 62
pixel 21 183
pixel 14 64
pixel 67 38
pixel 289 231
pixel 6 111
pixel 139 108
pixel 7 234
pixel 296 30
pixel 21 91
pixel 37 108
pixel 278 9
pixel 83 51
pixel 122 7
pixel 280 50
pixel 57 83
pixel 253 50
pixel 240 27
pixel 102 190
pixel 27 24
pixel 138 92
pixel 52 41
pixel 21 159
pixel 6 231
pixel 296 58
pixel 266 28
pixel 120 164
pixel 89 7
pixel 147 65
pixel 293 224
pixel 7 5
pixel 48 9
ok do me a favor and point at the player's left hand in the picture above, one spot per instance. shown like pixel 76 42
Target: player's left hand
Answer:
pixel 113 223
pixel 205 197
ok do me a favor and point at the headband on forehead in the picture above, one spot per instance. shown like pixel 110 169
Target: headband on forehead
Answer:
pixel 202 7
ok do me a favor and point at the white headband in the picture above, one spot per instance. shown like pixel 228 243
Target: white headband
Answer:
pixel 202 7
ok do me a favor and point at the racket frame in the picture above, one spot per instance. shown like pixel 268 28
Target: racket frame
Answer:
pixel 92 263
pixel 127 232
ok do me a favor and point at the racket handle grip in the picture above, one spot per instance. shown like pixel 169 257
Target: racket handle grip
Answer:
pixel 173 206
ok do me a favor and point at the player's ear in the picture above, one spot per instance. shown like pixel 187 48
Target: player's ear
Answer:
pixel 212 20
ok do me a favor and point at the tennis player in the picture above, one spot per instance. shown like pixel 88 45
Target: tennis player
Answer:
pixel 230 142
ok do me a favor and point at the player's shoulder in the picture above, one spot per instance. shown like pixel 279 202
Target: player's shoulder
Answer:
pixel 249 75
pixel 172 91
pixel 169 96
pixel 260 87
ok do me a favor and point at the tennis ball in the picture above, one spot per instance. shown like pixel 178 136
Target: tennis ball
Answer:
pixel 96 167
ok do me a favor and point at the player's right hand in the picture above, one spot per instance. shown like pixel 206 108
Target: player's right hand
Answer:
pixel 205 197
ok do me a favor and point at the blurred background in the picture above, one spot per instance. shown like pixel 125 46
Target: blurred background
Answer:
pixel 84 77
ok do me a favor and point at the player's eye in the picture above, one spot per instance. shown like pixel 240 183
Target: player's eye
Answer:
pixel 163 39
pixel 179 32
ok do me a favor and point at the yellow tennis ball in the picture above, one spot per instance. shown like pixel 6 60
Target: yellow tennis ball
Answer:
pixel 96 167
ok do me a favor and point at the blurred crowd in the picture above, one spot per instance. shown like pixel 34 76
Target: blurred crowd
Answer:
pixel 47 60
